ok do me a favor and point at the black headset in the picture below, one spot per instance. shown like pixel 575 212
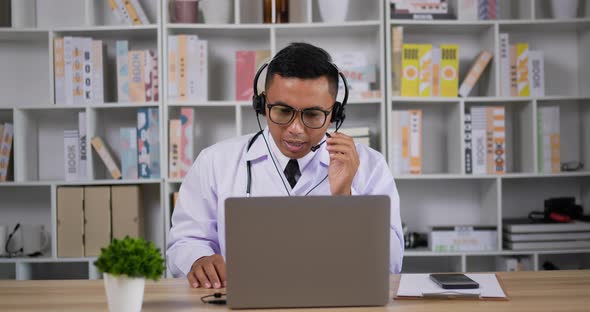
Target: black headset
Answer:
pixel 338 116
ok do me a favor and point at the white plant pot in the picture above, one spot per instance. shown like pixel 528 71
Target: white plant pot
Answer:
pixel 124 294
pixel 216 11
pixel 333 11
pixel 564 8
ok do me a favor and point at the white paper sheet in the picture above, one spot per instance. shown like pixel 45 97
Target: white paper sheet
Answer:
pixel 420 285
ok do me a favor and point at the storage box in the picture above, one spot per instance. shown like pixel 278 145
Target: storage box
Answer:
pixel 70 222
pixel 464 238
pixel 127 211
pixel 97 219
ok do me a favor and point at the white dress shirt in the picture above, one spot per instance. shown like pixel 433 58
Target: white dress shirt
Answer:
pixel 219 172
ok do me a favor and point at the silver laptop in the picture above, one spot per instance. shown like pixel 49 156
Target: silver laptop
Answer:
pixel 319 251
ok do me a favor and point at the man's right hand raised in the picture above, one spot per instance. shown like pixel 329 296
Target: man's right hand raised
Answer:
pixel 208 272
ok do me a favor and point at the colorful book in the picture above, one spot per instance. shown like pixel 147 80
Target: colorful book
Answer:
pixel 154 142
pixel 499 140
pixel 69 70
pixel 436 72
pixel 475 73
pixel 513 70
pixel 122 47
pixel 128 153
pixel 78 71
pixel 449 64
pixel 6 136
pixel 132 12
pixel 397 40
pixel 410 70
pixel 186 140
pixel 116 12
pixel 143 144
pixel 155 77
pixel 425 57
pixel 143 19
pixel 182 41
pixel 522 73
pixel 537 73
pixel 468 145
pixel 136 76
pixel 59 71
pixel 71 155
pixel 147 70
pixel 106 157
pixel 415 141
pixel 83 143
pixel 174 148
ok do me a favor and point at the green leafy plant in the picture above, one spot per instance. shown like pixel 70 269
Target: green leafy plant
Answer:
pixel 134 257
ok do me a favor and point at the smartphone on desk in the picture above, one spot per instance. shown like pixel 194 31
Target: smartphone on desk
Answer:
pixel 454 281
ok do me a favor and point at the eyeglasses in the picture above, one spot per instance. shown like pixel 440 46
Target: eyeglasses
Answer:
pixel 313 118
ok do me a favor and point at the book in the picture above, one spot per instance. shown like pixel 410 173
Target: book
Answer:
pixel 513 70
pixel 186 140
pixel 425 59
pixel 397 40
pixel 467 10
pixel 525 225
pixel 449 64
pixel 557 236
pixel 78 70
pixel 116 12
pixel 192 68
pixel 548 139
pixel 143 143
pixel 522 72
pixel 6 138
pixel 172 67
pixel 87 69
pixel 568 244
pixel 71 155
pixel 410 70
pixel 504 65
pixel 123 12
pixel 499 140
pixel 475 73
pixel 415 141
pixel 203 94
pixel 83 143
pixel 122 51
pixel 128 153
pixel 97 71
pixel 537 73
pixel 106 157
pixel 69 70
pixel 359 74
pixel 436 71
pixel 147 70
pixel 132 12
pixel 59 71
pixel 136 76
pixel 155 77
pixel 468 145
pixel 182 41
pixel 143 19
pixel 174 148
pixel 247 63
pixel 154 142
pixel 478 139
pixel 488 9
pixel 396 142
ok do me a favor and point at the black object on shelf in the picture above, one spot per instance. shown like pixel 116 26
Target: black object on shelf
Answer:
pixel 5 13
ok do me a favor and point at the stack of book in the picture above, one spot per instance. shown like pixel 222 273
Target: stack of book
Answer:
pixel 406 141
pixel 523 234
pixel 522 71
pixel 129 12
pixel 549 139
pixel 6 135
pixel 420 9
pixel 137 74
pixel 78 70
pixel 485 140
pixel 472 10
pixel 75 151
pixel 181 149
pixel 188 69
pixel 360 75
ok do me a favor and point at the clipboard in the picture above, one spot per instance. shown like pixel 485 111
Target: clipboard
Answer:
pixel 419 286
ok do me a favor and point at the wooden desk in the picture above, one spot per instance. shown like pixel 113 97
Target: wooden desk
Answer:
pixel 528 291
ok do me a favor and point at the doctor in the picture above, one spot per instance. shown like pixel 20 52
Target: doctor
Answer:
pixel 287 158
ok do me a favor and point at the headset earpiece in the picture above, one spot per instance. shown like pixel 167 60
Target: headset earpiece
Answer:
pixel 259 103
pixel 337 112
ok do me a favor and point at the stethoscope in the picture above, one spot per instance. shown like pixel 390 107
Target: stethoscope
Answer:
pixel 249 164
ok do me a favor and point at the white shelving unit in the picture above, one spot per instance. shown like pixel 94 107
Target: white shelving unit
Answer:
pixel 444 194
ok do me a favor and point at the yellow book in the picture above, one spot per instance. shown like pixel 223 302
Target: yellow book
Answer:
pixel 449 64
pixel 522 72
pixel 410 66
pixel 106 157
pixel 425 56
pixel 132 12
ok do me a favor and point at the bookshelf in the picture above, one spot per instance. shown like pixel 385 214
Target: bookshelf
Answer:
pixel 26 56
pixel 487 199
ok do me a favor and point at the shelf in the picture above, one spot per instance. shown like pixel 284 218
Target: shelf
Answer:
pixel 115 105
pixel 415 99
pixel 175 181
pixel 546 25
pixel 443 177
pixel 45 260
pixel 114 28
pixel 108 182
pixel 23 34
pixel 420 252
pixel 209 104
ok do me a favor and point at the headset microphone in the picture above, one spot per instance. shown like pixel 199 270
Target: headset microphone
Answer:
pixel 316 147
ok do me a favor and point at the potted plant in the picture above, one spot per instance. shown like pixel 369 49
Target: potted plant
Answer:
pixel 126 264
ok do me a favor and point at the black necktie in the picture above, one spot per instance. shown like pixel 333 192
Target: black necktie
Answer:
pixel 292 172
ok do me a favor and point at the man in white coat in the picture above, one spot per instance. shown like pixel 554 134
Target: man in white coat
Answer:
pixel 287 158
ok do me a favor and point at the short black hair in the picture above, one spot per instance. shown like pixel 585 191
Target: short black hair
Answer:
pixel 304 61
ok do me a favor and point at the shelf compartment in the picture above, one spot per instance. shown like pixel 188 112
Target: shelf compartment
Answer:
pixel 356 11
pixel 565 261
pixel 52 270
pixel 29 205
pixel 222 48
pixel 574 130
pixel 7 271
pixel 6 116
pixel 520 134
pixel 543 9
pixel 465 202
pixel 106 123
pixel 494 263
pixel 441 136
pixel 100 12
pixel 564 46
pixel 515 10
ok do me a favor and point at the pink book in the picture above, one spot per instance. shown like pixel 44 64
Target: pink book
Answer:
pixel 245 71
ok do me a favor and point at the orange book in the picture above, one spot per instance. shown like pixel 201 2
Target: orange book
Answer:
pixel 182 66
pixel 136 76
pixel 415 141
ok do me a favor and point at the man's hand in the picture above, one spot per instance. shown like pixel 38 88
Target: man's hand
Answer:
pixel 208 272
pixel 344 163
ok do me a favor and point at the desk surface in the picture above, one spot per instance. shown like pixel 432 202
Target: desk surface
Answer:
pixel 528 291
